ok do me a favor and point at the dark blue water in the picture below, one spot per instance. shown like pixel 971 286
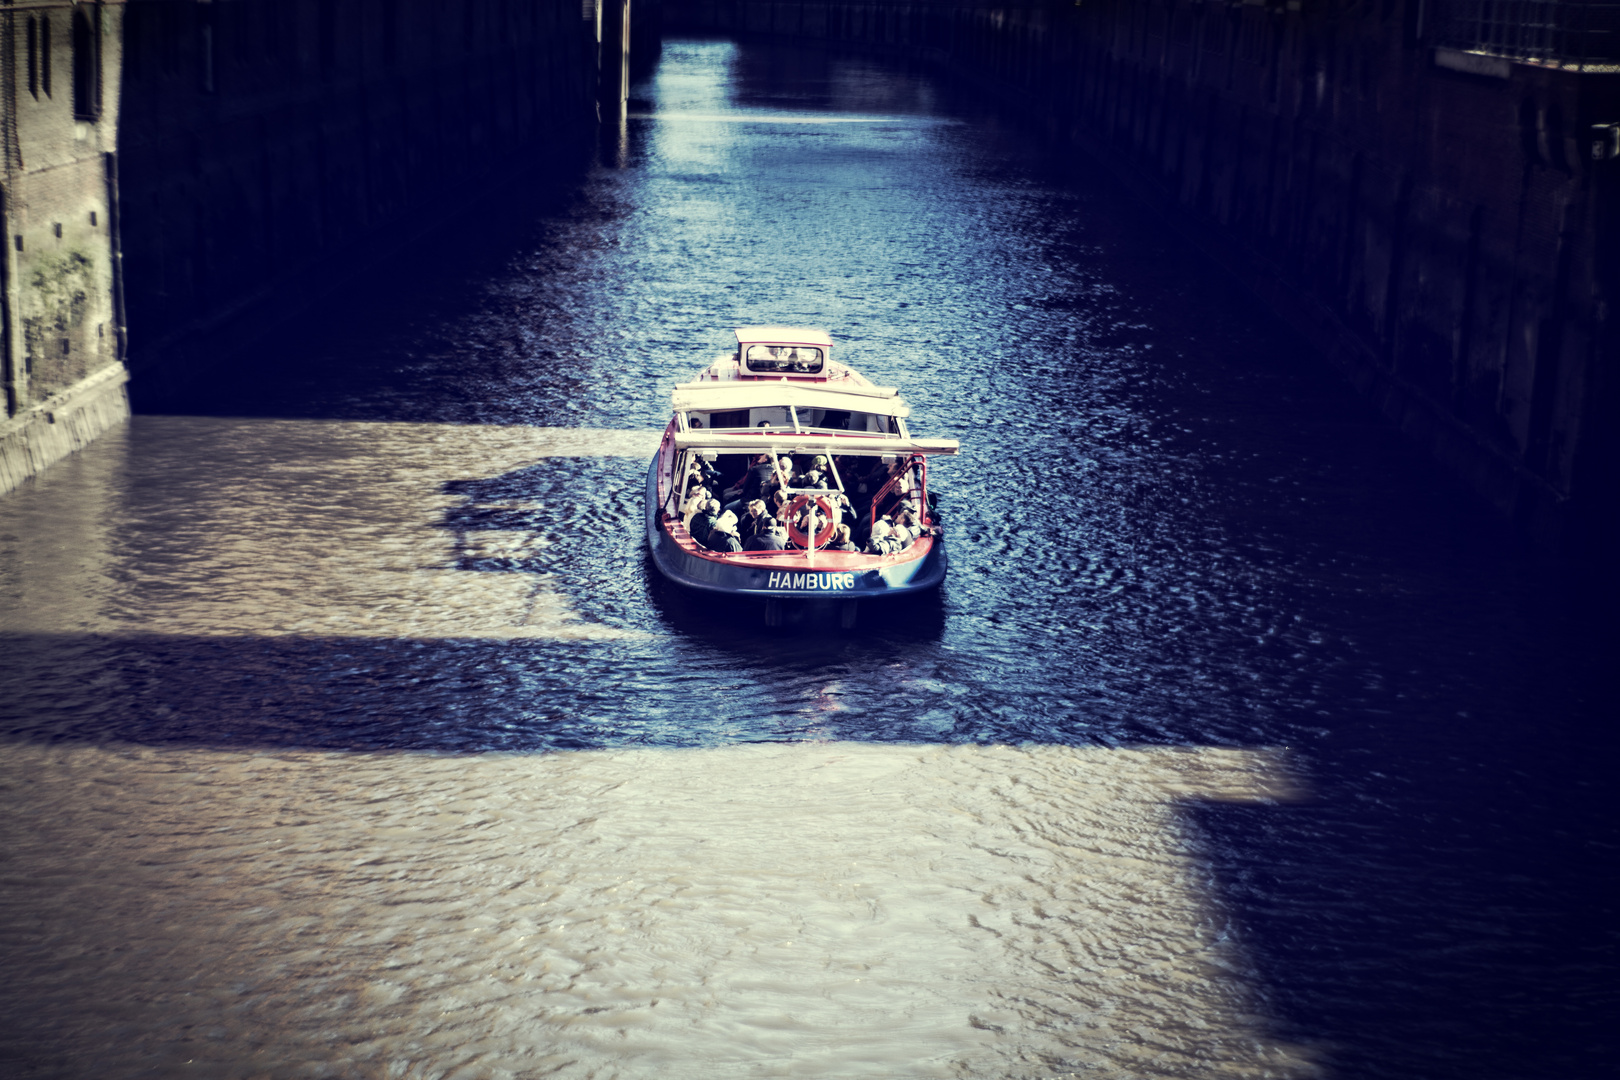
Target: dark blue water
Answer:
pixel 1169 525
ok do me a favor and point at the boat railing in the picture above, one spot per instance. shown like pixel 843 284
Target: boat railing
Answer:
pixel 894 481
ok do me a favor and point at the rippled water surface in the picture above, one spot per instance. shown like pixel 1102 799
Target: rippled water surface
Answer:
pixel 350 734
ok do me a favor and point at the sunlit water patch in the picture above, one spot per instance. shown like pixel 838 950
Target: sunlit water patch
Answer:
pixel 301 528
pixel 812 910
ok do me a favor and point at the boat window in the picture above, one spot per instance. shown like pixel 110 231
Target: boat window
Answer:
pixel 784 359
pixel 774 416
pixel 843 420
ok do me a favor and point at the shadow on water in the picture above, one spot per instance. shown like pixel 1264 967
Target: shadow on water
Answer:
pixel 1441 902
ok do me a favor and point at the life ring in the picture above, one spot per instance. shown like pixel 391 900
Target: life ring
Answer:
pixel 797 532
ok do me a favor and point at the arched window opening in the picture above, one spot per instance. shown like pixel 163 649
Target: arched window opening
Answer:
pixel 86 64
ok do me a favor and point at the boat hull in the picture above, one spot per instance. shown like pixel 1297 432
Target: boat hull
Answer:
pixel 780 577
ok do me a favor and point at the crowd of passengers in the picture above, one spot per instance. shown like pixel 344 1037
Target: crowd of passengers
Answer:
pixel 752 514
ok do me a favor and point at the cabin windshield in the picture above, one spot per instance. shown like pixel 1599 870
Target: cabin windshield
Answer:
pixel 784 359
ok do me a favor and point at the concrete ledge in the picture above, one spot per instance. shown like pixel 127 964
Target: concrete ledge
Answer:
pixel 1473 63
pixel 63 423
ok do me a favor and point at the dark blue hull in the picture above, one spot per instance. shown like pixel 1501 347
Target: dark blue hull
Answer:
pixel 903 578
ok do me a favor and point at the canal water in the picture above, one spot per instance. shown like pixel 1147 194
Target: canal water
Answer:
pixel 348 733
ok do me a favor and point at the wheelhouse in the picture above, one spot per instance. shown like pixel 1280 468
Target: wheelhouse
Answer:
pixel 783 351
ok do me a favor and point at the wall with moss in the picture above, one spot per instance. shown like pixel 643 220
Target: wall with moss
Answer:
pixel 62 128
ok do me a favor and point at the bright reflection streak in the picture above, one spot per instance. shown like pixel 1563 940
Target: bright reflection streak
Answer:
pixel 812 910
pixel 287 527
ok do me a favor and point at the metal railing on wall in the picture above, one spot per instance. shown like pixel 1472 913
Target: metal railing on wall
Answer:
pixel 1579 34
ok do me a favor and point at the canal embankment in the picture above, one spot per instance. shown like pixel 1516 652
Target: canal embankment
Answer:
pixel 1430 201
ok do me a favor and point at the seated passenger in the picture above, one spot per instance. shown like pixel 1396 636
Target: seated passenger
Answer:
pixel 711 474
pixel 748 487
pixel 776 505
pixel 723 535
pixel 818 467
pixel 841 541
pixel 868 482
pixel 882 543
pixel 753 516
pixel 769 537
pixel 905 528
pixel 704 521
pixel 694 504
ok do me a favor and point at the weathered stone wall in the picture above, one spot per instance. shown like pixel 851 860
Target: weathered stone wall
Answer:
pixel 1433 220
pixel 275 150
pixel 61 354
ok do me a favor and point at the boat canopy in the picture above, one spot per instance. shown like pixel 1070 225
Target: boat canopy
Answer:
pixel 783 335
pixel 789 442
pixel 726 396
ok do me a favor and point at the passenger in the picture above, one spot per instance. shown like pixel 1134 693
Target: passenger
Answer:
pixel 723 536
pixel 906 526
pixel 776 505
pixel 694 504
pixel 753 517
pixel 841 541
pixel 868 482
pixel 770 488
pixel 696 480
pixel 704 521
pixel 907 486
pixel 711 474
pixel 770 537
pixel 882 543
pixel 748 487
pixel 817 469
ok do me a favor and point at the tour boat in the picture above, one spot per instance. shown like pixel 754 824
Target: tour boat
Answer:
pixel 780 414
